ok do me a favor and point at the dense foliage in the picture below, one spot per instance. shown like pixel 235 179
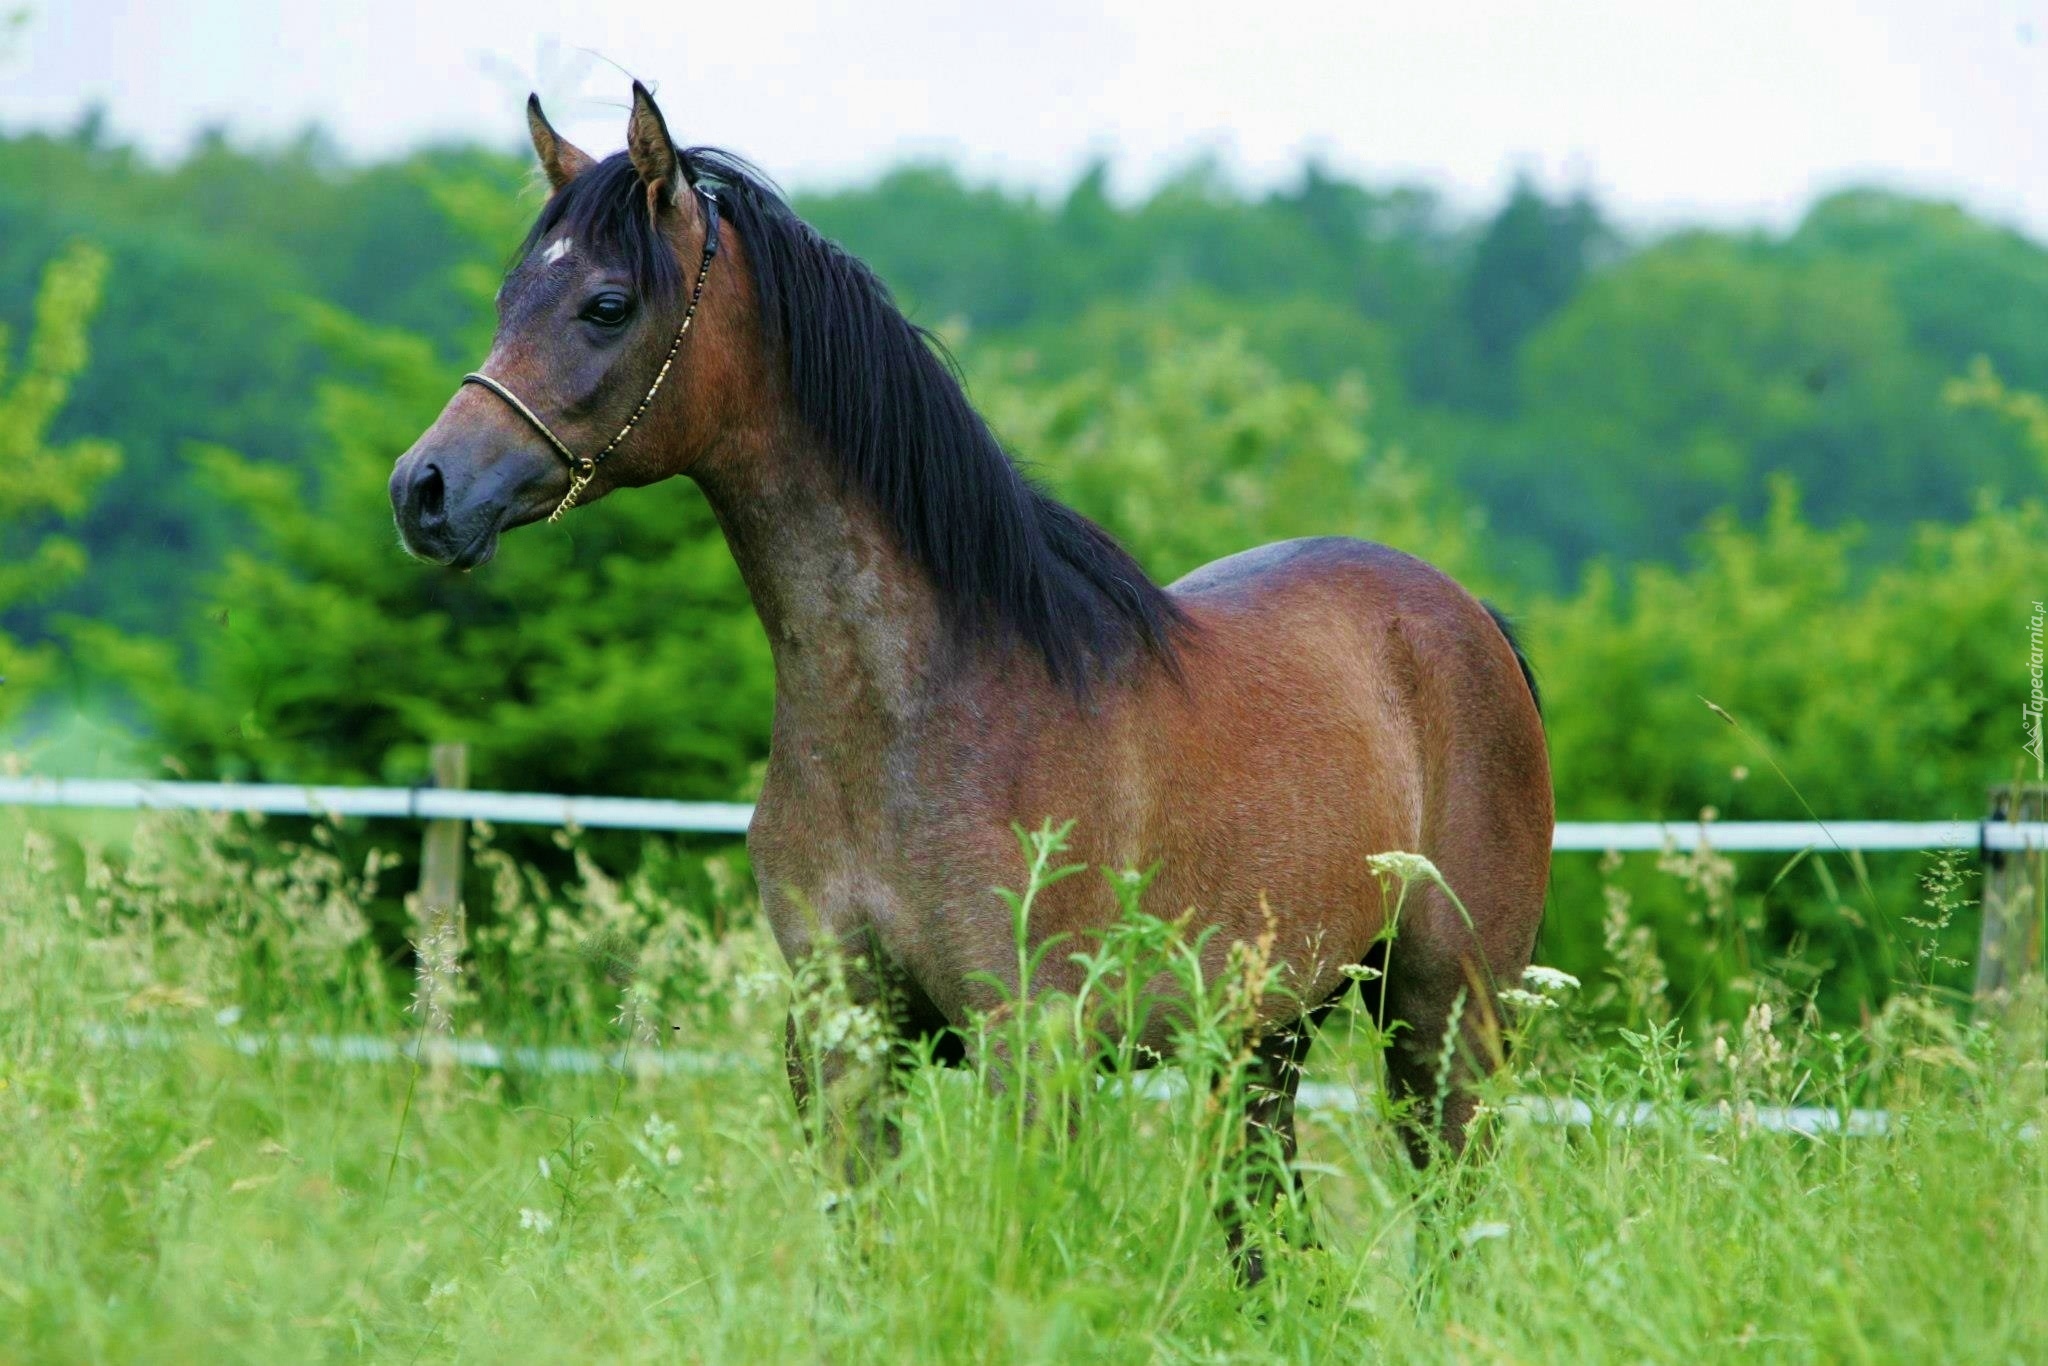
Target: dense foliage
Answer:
pixel 45 483
pixel 1592 398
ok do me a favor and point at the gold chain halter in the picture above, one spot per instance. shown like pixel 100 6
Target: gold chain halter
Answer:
pixel 583 467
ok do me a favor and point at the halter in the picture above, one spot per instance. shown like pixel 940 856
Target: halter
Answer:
pixel 583 467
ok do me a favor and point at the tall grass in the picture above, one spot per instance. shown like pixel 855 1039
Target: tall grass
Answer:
pixel 193 1202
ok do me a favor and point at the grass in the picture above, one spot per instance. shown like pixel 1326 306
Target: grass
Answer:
pixel 194 1203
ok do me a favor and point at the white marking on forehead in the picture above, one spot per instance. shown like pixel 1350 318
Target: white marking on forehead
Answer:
pixel 557 249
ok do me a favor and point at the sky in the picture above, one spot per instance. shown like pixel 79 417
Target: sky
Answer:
pixel 1727 112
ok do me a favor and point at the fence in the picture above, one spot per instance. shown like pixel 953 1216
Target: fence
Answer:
pixel 2010 838
pixel 1330 1097
pixel 1993 833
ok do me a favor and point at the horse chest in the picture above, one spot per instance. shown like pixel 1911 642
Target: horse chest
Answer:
pixel 857 869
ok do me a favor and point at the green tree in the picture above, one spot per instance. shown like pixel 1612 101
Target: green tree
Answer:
pixel 46 483
pixel 207 341
pixel 1679 382
pixel 1965 287
pixel 1528 263
pixel 1203 449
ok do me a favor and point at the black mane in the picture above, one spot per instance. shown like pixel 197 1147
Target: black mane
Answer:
pixel 1002 553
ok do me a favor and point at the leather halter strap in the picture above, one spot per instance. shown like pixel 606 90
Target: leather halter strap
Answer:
pixel 583 467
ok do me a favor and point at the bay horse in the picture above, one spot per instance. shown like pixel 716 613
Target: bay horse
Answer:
pixel 956 652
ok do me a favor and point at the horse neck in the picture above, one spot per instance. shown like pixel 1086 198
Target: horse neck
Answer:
pixel 858 635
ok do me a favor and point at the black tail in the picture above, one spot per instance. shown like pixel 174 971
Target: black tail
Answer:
pixel 1507 629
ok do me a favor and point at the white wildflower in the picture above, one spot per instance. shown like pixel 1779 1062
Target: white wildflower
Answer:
pixel 658 1132
pixel 537 1220
pixel 1526 1000
pixel 761 984
pixel 1405 866
pixel 1475 1234
pixel 1361 972
pixel 1549 979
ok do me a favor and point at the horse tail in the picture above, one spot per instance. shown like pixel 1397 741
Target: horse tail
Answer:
pixel 1507 630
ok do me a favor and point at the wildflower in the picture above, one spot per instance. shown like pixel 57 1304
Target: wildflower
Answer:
pixel 1361 972
pixel 537 1220
pixel 1405 866
pixel 1526 1000
pixel 758 985
pixel 845 1027
pixel 1549 979
pixel 1475 1234
pixel 440 1293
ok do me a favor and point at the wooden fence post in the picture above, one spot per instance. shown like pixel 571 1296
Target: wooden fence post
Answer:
pixel 441 852
pixel 2009 949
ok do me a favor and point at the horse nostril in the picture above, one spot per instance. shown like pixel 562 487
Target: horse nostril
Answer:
pixel 431 493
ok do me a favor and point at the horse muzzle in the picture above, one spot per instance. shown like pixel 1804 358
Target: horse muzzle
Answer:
pixel 465 482
pixel 442 517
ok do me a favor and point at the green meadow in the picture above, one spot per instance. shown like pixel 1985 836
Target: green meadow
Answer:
pixel 170 1194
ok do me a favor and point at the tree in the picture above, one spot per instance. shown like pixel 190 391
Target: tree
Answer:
pixel 1965 287
pixel 1527 264
pixel 45 483
pixel 1200 448
pixel 1679 382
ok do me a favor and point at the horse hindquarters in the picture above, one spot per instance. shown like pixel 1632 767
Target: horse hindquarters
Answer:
pixel 1487 826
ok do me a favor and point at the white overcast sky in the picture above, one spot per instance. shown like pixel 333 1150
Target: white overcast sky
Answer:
pixel 1734 111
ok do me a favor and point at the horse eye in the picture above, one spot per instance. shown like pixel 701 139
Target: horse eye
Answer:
pixel 608 309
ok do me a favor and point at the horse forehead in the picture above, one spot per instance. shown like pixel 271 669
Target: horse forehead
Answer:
pixel 531 281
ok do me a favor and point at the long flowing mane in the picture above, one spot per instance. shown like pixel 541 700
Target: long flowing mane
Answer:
pixel 1004 555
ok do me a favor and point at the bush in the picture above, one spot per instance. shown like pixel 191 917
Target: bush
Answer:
pixel 44 483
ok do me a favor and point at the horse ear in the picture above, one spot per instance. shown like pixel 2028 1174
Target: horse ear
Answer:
pixel 654 152
pixel 562 160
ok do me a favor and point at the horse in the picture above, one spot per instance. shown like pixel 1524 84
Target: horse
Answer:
pixel 956 652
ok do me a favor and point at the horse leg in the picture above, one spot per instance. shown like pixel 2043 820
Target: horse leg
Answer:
pixel 1443 976
pixel 1270 1085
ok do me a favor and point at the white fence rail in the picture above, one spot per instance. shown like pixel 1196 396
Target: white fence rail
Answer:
pixel 409 803
pixel 729 818
pixel 1325 1096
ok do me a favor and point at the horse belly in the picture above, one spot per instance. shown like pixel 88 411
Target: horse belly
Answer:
pixel 1300 760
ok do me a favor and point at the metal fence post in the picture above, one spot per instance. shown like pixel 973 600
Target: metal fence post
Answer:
pixel 2009 948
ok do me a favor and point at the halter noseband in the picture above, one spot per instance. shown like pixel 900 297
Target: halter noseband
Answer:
pixel 583 467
